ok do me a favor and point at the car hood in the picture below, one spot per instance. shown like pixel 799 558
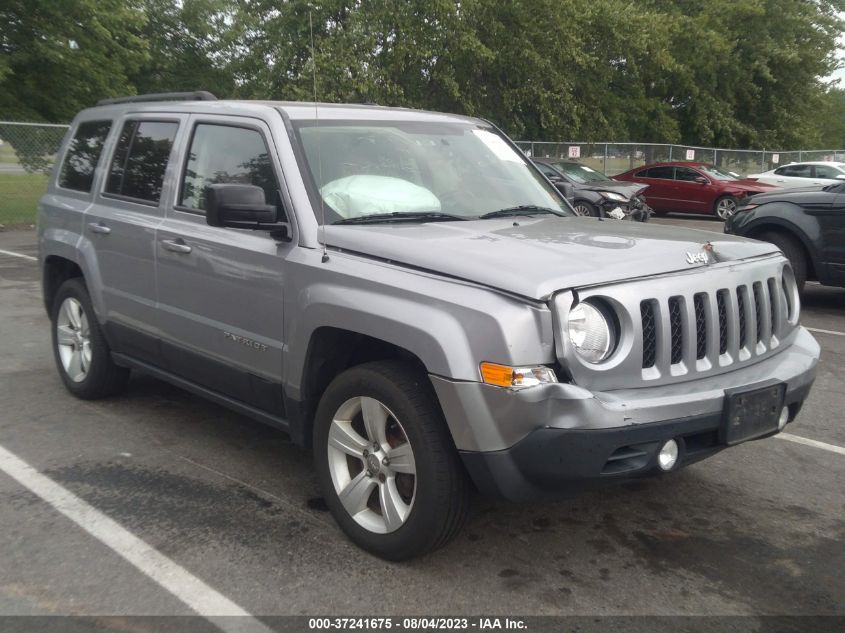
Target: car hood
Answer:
pixel 536 257
pixel 751 185
pixel 815 194
pixel 627 189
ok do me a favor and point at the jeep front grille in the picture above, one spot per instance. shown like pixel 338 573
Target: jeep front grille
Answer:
pixel 687 325
pixel 720 336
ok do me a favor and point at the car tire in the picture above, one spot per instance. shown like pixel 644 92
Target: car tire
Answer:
pixel 82 355
pixel 585 209
pixel 793 251
pixel 394 506
pixel 725 207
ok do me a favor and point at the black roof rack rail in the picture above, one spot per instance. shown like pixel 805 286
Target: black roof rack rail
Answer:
pixel 198 95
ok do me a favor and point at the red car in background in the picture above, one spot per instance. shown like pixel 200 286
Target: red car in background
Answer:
pixel 693 187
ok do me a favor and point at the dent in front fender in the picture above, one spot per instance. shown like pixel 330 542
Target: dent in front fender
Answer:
pixel 450 325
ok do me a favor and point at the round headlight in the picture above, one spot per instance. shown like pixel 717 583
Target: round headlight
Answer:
pixel 590 333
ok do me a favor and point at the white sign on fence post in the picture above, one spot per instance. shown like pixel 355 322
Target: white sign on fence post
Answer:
pixel 775 158
pixel 690 154
pixel 574 151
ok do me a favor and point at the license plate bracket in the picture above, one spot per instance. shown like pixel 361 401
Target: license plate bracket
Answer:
pixel 751 413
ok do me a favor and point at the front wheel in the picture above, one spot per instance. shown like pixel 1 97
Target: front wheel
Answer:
pixel 389 471
pixel 725 207
pixel 585 209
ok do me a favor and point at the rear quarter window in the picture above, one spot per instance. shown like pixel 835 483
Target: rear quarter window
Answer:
pixel 83 155
pixel 140 160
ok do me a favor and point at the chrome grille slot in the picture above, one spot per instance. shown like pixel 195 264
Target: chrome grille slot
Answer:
pixel 790 309
pixel 758 310
pixel 649 327
pixel 699 300
pixel 721 300
pixel 676 329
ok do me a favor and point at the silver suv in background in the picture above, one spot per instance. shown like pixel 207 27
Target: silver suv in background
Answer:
pixel 407 295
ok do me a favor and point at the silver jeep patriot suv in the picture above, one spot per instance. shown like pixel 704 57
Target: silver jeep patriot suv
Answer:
pixel 406 294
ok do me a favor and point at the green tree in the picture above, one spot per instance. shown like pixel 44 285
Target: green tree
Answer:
pixel 830 119
pixel 188 44
pixel 59 56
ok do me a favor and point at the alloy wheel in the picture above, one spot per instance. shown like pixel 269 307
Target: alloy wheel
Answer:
pixel 371 463
pixel 582 210
pixel 74 339
pixel 725 208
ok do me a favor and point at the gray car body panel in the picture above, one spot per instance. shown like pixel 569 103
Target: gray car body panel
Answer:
pixel 452 294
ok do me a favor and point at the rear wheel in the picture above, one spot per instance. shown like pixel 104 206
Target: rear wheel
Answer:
pixel 792 250
pixel 82 355
pixel 389 471
pixel 725 207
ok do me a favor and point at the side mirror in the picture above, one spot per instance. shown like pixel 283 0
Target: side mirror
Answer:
pixel 241 207
pixel 567 190
pixel 701 180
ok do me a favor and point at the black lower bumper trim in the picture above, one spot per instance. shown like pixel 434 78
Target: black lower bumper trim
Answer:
pixel 555 462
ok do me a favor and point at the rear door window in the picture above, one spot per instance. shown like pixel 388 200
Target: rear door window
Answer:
pixel 140 160
pixel 83 154
pixel 226 154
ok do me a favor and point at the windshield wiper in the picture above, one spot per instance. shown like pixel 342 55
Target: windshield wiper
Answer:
pixel 398 216
pixel 522 209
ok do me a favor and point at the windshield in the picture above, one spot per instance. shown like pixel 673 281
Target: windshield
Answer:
pixel 435 169
pixel 718 174
pixel 581 173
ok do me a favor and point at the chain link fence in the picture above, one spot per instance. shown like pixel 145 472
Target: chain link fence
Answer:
pixel 28 151
pixel 616 158
pixel 27 154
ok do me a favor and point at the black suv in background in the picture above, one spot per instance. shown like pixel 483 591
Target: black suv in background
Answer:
pixel 593 193
pixel 807 224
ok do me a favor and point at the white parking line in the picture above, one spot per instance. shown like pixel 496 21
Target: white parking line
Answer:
pixel 166 573
pixel 834 332
pixel 21 255
pixel 814 443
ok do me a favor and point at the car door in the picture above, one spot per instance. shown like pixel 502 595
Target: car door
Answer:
pixel 691 195
pixel 797 175
pixel 661 186
pixel 220 290
pixel 832 224
pixel 826 175
pixel 119 227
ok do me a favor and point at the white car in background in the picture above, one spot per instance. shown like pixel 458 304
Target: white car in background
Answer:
pixel 803 174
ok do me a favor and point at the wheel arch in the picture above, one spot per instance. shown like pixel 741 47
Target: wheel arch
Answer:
pixel 56 270
pixel 785 227
pixel 330 351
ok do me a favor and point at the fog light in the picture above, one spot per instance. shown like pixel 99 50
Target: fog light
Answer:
pixel 783 419
pixel 668 455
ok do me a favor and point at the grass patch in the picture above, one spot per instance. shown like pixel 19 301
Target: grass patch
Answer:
pixel 7 154
pixel 19 194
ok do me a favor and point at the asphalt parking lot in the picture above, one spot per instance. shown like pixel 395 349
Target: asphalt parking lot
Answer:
pixel 232 507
